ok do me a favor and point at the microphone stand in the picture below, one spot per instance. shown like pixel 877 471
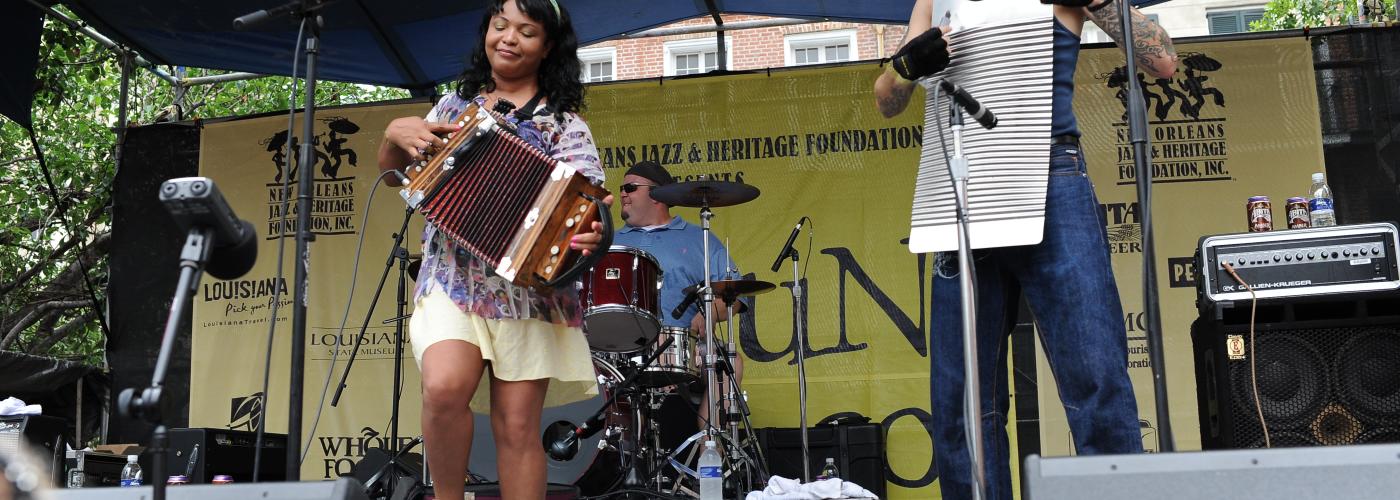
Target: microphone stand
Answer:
pixel 149 405
pixel 972 401
pixel 799 320
pixel 307 11
pixel 1137 133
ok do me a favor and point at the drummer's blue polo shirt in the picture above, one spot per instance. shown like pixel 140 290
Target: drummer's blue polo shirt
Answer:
pixel 678 249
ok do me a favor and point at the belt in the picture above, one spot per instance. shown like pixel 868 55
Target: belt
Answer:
pixel 1066 139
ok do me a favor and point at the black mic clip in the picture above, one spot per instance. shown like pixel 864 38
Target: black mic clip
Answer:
pixel 690 298
pixel 787 247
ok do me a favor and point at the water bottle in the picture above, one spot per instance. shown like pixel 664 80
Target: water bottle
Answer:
pixel 829 470
pixel 131 473
pixel 1320 210
pixel 711 473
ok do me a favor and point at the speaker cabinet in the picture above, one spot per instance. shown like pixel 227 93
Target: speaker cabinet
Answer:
pixel 1326 369
pixel 203 453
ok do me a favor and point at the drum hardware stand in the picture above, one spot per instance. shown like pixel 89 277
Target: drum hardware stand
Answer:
pixel 397 254
pixel 562 442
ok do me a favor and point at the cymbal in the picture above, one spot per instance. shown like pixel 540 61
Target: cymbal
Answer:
pixel 735 288
pixel 701 193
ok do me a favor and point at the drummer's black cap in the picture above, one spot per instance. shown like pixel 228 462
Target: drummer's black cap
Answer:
pixel 652 171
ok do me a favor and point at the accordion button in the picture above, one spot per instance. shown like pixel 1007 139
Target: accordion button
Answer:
pixel 569 222
pixel 554 250
pixel 548 269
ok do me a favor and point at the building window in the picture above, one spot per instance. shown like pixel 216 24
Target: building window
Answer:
pixel 1092 34
pixel 819 47
pixel 694 56
pixel 1232 21
pixel 597 64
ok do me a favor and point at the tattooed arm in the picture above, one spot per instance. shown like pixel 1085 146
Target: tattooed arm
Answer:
pixel 892 92
pixel 1153 46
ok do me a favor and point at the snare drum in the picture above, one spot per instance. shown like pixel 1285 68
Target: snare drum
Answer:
pixel 678 364
pixel 620 295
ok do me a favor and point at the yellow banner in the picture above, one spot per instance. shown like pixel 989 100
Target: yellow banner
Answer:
pixel 231 318
pixel 813 142
pixel 1238 119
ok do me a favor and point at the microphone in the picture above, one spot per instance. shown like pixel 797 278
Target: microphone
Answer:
pixel 787 247
pixel 984 116
pixel 685 304
pixel 195 202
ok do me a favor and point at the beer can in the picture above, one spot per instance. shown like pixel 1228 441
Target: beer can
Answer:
pixel 176 480
pixel 1298 217
pixel 1261 214
pixel 222 479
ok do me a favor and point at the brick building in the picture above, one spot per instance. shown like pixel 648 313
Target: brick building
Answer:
pixel 755 48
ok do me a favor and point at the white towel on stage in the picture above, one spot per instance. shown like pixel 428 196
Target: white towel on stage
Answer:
pixel 781 488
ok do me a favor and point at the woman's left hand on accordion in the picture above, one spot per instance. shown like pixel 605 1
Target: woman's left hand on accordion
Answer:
pixel 588 242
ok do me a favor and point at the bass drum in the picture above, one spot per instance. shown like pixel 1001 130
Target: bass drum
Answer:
pixel 593 470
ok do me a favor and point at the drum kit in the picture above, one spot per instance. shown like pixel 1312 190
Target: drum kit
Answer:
pixel 638 435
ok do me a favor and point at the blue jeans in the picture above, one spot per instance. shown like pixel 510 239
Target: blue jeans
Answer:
pixel 1069 284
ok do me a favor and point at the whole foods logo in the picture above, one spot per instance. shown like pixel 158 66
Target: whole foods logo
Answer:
pixel 1187 145
pixel 1121 221
pixel 342 452
pixel 333 208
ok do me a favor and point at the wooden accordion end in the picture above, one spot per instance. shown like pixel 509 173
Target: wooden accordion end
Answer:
pixel 505 202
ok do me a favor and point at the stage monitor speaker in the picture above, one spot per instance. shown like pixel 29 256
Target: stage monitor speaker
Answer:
pixel 858 450
pixel 1361 472
pixel 1327 371
pixel 203 453
pixel 345 488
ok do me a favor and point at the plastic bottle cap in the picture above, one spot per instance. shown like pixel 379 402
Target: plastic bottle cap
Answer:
pixel 710 443
pixel 1318 177
pixel 830 460
pixel 131 459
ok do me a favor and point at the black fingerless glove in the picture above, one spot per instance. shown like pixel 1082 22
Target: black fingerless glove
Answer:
pixel 925 55
pixel 1068 3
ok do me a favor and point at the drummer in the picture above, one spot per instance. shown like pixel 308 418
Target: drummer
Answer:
pixel 676 245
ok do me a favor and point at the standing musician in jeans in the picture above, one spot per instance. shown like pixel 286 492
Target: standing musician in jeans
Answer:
pixel 469 323
pixel 1066 278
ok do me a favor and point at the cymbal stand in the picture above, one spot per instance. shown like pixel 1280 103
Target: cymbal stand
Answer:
pixel 707 300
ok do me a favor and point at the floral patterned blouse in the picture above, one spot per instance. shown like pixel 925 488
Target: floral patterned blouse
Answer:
pixel 469 282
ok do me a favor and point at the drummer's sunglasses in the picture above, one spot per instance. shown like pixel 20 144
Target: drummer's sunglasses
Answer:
pixel 631 187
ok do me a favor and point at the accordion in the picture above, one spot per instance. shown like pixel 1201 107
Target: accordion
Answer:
pixel 506 202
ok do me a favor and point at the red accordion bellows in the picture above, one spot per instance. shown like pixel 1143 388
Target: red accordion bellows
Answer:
pixel 504 201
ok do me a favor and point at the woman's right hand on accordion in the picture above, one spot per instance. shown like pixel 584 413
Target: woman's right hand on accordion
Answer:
pixel 410 139
pixel 588 242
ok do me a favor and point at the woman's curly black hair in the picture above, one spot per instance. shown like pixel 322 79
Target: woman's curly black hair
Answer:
pixel 559 71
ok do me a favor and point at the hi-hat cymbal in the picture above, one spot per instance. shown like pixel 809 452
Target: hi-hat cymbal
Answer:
pixel 735 288
pixel 707 192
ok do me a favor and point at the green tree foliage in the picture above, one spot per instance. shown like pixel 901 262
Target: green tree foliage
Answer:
pixel 1294 14
pixel 52 252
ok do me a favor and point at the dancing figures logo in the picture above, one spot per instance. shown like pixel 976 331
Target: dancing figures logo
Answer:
pixel 333 206
pixel 1187 118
